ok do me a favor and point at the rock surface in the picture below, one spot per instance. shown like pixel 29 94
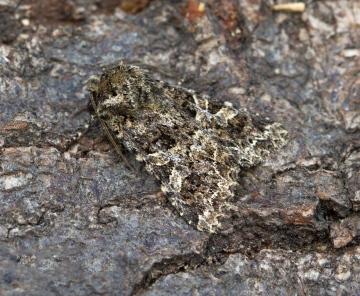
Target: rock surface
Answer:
pixel 74 220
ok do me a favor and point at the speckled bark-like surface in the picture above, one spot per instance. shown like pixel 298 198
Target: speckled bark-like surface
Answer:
pixel 74 220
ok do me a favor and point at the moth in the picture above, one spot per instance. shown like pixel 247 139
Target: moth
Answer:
pixel 193 144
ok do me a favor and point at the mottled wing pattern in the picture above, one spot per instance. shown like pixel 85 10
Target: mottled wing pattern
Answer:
pixel 194 145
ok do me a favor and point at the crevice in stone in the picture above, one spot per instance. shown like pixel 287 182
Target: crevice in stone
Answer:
pixel 165 267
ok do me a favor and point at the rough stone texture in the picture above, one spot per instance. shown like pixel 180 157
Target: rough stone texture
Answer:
pixel 74 220
pixel 272 272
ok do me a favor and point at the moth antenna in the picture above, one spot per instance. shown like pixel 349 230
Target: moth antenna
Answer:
pixel 112 139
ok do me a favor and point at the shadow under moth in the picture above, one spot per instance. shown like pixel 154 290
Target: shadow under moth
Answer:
pixel 193 144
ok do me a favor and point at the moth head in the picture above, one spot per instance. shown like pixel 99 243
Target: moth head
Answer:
pixel 123 89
